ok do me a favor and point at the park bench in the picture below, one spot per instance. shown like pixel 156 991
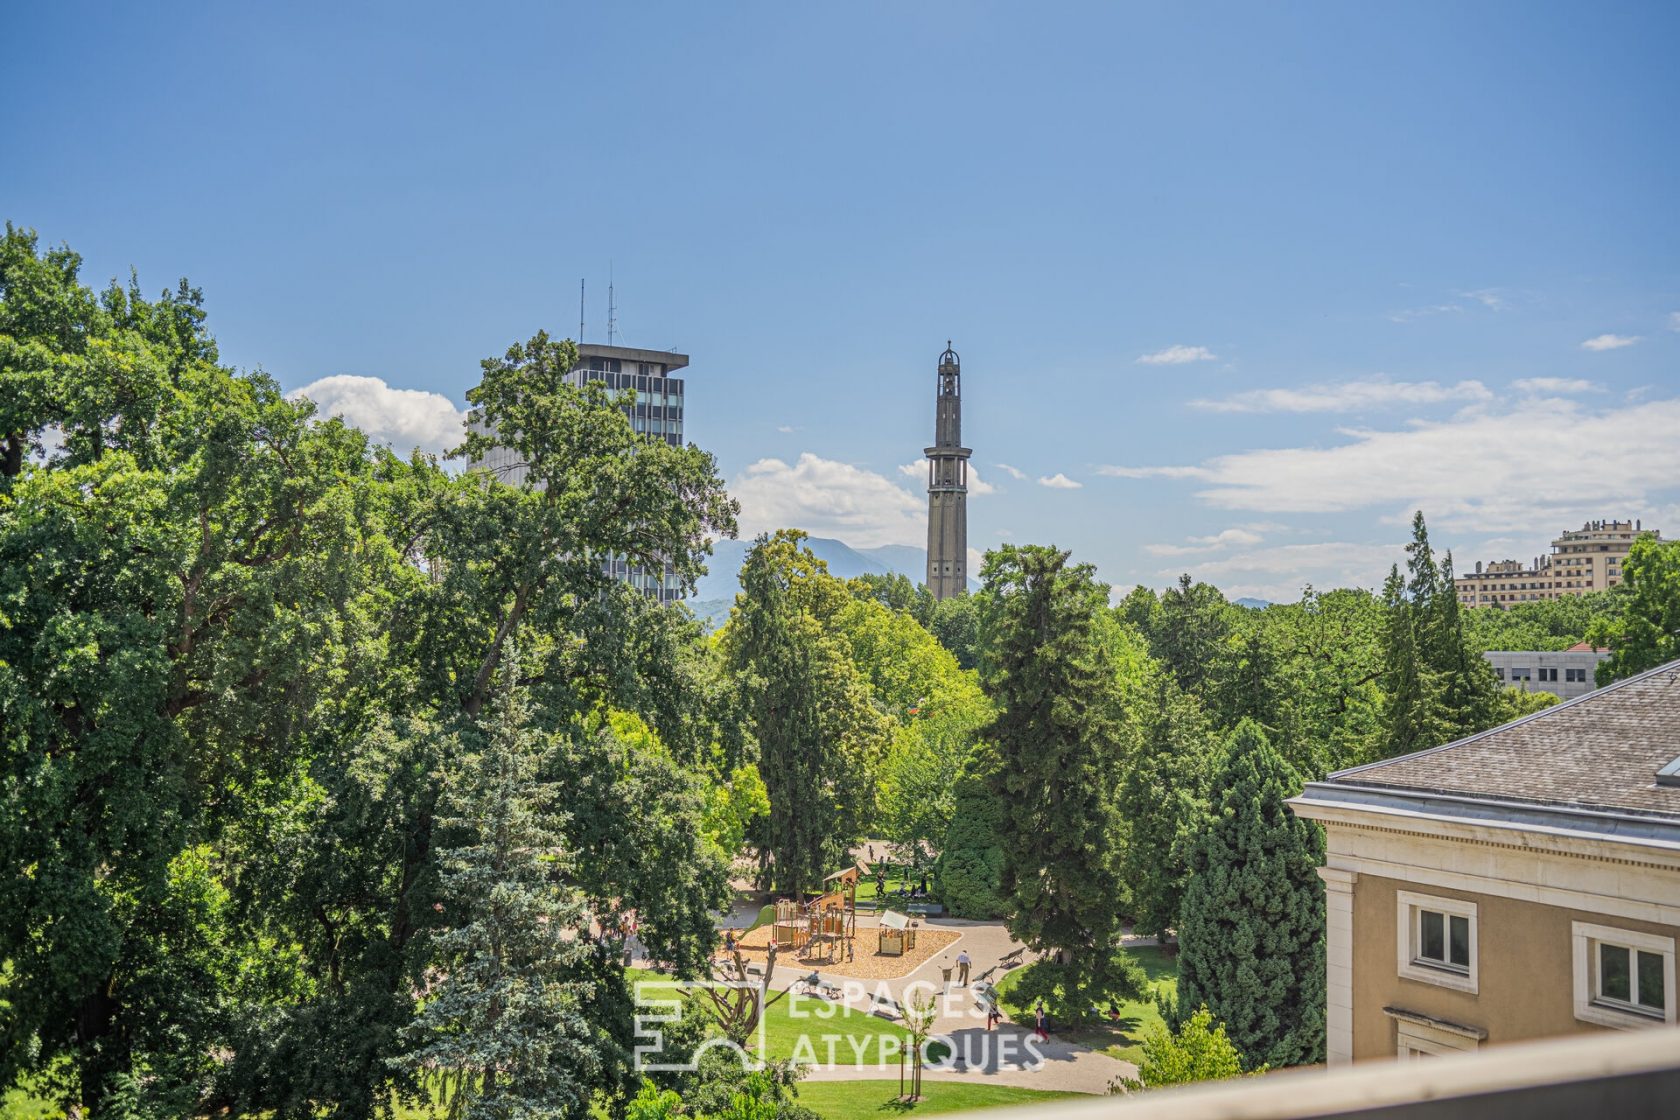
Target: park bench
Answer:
pixel 1010 960
pixel 885 1006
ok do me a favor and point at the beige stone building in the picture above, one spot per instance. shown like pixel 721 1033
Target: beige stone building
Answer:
pixel 1585 559
pixel 1517 884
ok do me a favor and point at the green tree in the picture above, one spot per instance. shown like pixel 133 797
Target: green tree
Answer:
pixel 1163 797
pixel 1546 624
pixel 1412 719
pixel 507 1021
pixel 1060 739
pixel 956 623
pixel 820 738
pixel 1251 933
pixel 1189 635
pixel 896 592
pixel 174 579
pixel 1647 631
pixel 1331 653
pixel 970 865
pixel 1438 687
pixel 1198 1051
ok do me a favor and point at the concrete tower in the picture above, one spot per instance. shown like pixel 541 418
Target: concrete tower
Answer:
pixel 947 548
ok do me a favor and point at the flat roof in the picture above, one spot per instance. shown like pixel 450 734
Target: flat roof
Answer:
pixel 669 358
pixel 1595 757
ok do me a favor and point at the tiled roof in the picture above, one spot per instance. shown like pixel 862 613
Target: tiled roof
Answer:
pixel 1598 751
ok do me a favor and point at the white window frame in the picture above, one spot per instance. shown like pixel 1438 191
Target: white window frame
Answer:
pixel 1586 937
pixel 1409 967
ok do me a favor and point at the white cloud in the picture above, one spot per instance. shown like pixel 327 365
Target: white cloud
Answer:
pixel 1674 320
pixel 1153 472
pixel 1406 315
pixel 828 498
pixel 1543 462
pixel 1489 298
pixel 1228 538
pixel 1012 472
pixel 1347 396
pixel 1609 342
pixel 977 486
pixel 403 418
pixel 1278 574
pixel 1060 481
pixel 1554 385
pixel 786 429
pixel 1177 356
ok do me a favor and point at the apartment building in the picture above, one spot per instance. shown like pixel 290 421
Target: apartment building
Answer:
pixel 1516 884
pixel 1585 559
pixel 1566 673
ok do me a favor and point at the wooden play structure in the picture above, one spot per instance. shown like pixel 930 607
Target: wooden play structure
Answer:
pixel 896 935
pixel 826 926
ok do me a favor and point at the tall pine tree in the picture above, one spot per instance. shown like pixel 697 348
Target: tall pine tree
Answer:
pixel 1437 688
pixel 1059 741
pixel 509 1024
pixel 1251 933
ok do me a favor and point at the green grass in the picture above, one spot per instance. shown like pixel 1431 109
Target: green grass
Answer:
pixel 1122 1038
pixel 790 1019
pixel 873 1100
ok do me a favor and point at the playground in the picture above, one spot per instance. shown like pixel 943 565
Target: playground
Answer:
pixel 827 932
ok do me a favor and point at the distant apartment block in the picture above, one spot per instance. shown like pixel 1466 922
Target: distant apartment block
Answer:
pixel 656 412
pixel 1516 884
pixel 1585 559
pixel 1565 674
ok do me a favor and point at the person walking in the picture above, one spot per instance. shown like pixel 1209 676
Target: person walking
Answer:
pixel 963 961
pixel 1039 1030
pixel 993 1014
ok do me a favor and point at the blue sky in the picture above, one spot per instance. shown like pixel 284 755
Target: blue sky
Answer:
pixel 1379 255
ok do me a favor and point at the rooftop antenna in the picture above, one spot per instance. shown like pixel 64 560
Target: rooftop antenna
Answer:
pixel 612 307
pixel 580 313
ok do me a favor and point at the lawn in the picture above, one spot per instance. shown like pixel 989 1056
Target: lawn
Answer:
pixel 1123 1038
pixel 863 1100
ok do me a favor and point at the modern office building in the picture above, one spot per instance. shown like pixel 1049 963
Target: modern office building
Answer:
pixel 1565 674
pixel 1520 883
pixel 1585 559
pixel 947 547
pixel 657 412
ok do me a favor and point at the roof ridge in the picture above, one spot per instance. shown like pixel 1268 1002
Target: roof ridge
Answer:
pixel 1597 693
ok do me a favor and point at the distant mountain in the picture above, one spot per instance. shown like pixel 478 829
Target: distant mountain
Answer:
pixel 715 593
pixel 1257 604
pixel 902 558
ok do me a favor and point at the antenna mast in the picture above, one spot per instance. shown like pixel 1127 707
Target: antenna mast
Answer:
pixel 580 313
pixel 612 307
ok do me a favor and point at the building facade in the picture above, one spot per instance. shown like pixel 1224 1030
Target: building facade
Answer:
pixel 947 547
pixel 1516 884
pixel 657 411
pixel 1582 560
pixel 1565 674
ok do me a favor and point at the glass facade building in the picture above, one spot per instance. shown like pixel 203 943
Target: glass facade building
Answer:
pixel 657 412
